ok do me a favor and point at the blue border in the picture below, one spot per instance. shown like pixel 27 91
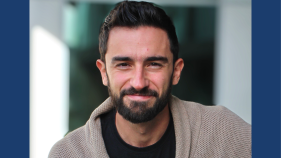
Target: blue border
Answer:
pixel 266 78
pixel 14 78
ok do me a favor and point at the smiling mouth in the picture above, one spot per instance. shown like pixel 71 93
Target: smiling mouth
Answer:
pixel 137 97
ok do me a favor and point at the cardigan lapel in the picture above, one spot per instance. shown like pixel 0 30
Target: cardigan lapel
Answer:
pixel 93 130
pixel 182 128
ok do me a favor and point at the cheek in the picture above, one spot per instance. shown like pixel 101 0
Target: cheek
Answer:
pixel 159 82
pixel 118 80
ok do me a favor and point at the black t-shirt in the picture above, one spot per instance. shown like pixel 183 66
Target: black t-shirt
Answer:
pixel 117 148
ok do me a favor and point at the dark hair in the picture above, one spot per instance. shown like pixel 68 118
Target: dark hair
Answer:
pixel 134 14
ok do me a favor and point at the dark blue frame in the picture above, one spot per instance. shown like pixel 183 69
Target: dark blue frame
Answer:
pixel 266 78
pixel 14 78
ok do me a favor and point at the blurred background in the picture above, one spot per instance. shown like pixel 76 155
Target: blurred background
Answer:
pixel 65 85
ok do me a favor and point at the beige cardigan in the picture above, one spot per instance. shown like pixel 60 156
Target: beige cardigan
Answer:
pixel 201 132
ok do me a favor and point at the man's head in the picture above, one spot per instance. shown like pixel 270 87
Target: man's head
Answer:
pixel 133 14
pixel 139 62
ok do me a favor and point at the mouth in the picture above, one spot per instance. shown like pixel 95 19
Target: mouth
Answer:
pixel 136 97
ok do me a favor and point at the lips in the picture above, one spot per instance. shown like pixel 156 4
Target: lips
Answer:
pixel 139 97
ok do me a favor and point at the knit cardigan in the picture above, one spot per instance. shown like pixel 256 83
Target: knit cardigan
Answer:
pixel 201 132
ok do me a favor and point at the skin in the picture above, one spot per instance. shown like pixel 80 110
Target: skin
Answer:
pixel 140 57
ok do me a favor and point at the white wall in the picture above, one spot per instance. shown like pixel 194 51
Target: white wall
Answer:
pixel 233 57
pixel 49 64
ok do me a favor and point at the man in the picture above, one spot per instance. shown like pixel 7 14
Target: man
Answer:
pixel 139 64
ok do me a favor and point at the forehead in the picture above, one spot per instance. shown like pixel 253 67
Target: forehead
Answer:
pixel 138 43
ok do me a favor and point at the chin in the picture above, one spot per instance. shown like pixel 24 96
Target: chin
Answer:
pixel 137 104
pixel 139 112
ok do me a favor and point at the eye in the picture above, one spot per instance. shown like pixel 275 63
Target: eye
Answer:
pixel 122 65
pixel 155 65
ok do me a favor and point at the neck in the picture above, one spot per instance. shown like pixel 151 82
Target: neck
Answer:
pixel 143 134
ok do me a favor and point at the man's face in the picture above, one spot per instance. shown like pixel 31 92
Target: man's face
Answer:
pixel 139 71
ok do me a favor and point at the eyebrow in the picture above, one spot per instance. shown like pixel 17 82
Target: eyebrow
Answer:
pixel 157 58
pixel 118 58
pixel 153 58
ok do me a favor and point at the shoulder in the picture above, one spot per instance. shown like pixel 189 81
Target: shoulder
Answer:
pixel 85 141
pixel 222 117
pixel 74 144
pixel 219 132
pixel 217 118
pixel 213 115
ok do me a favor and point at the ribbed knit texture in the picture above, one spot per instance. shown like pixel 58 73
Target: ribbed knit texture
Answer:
pixel 201 132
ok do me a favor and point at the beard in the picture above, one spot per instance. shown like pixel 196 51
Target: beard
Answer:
pixel 139 111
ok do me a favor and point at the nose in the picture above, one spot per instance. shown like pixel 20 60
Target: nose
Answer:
pixel 138 80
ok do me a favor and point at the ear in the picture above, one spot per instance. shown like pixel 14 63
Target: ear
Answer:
pixel 179 64
pixel 101 66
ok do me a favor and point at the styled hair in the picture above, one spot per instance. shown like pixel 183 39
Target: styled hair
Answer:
pixel 134 14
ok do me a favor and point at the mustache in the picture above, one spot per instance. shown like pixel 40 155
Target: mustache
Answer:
pixel 145 92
